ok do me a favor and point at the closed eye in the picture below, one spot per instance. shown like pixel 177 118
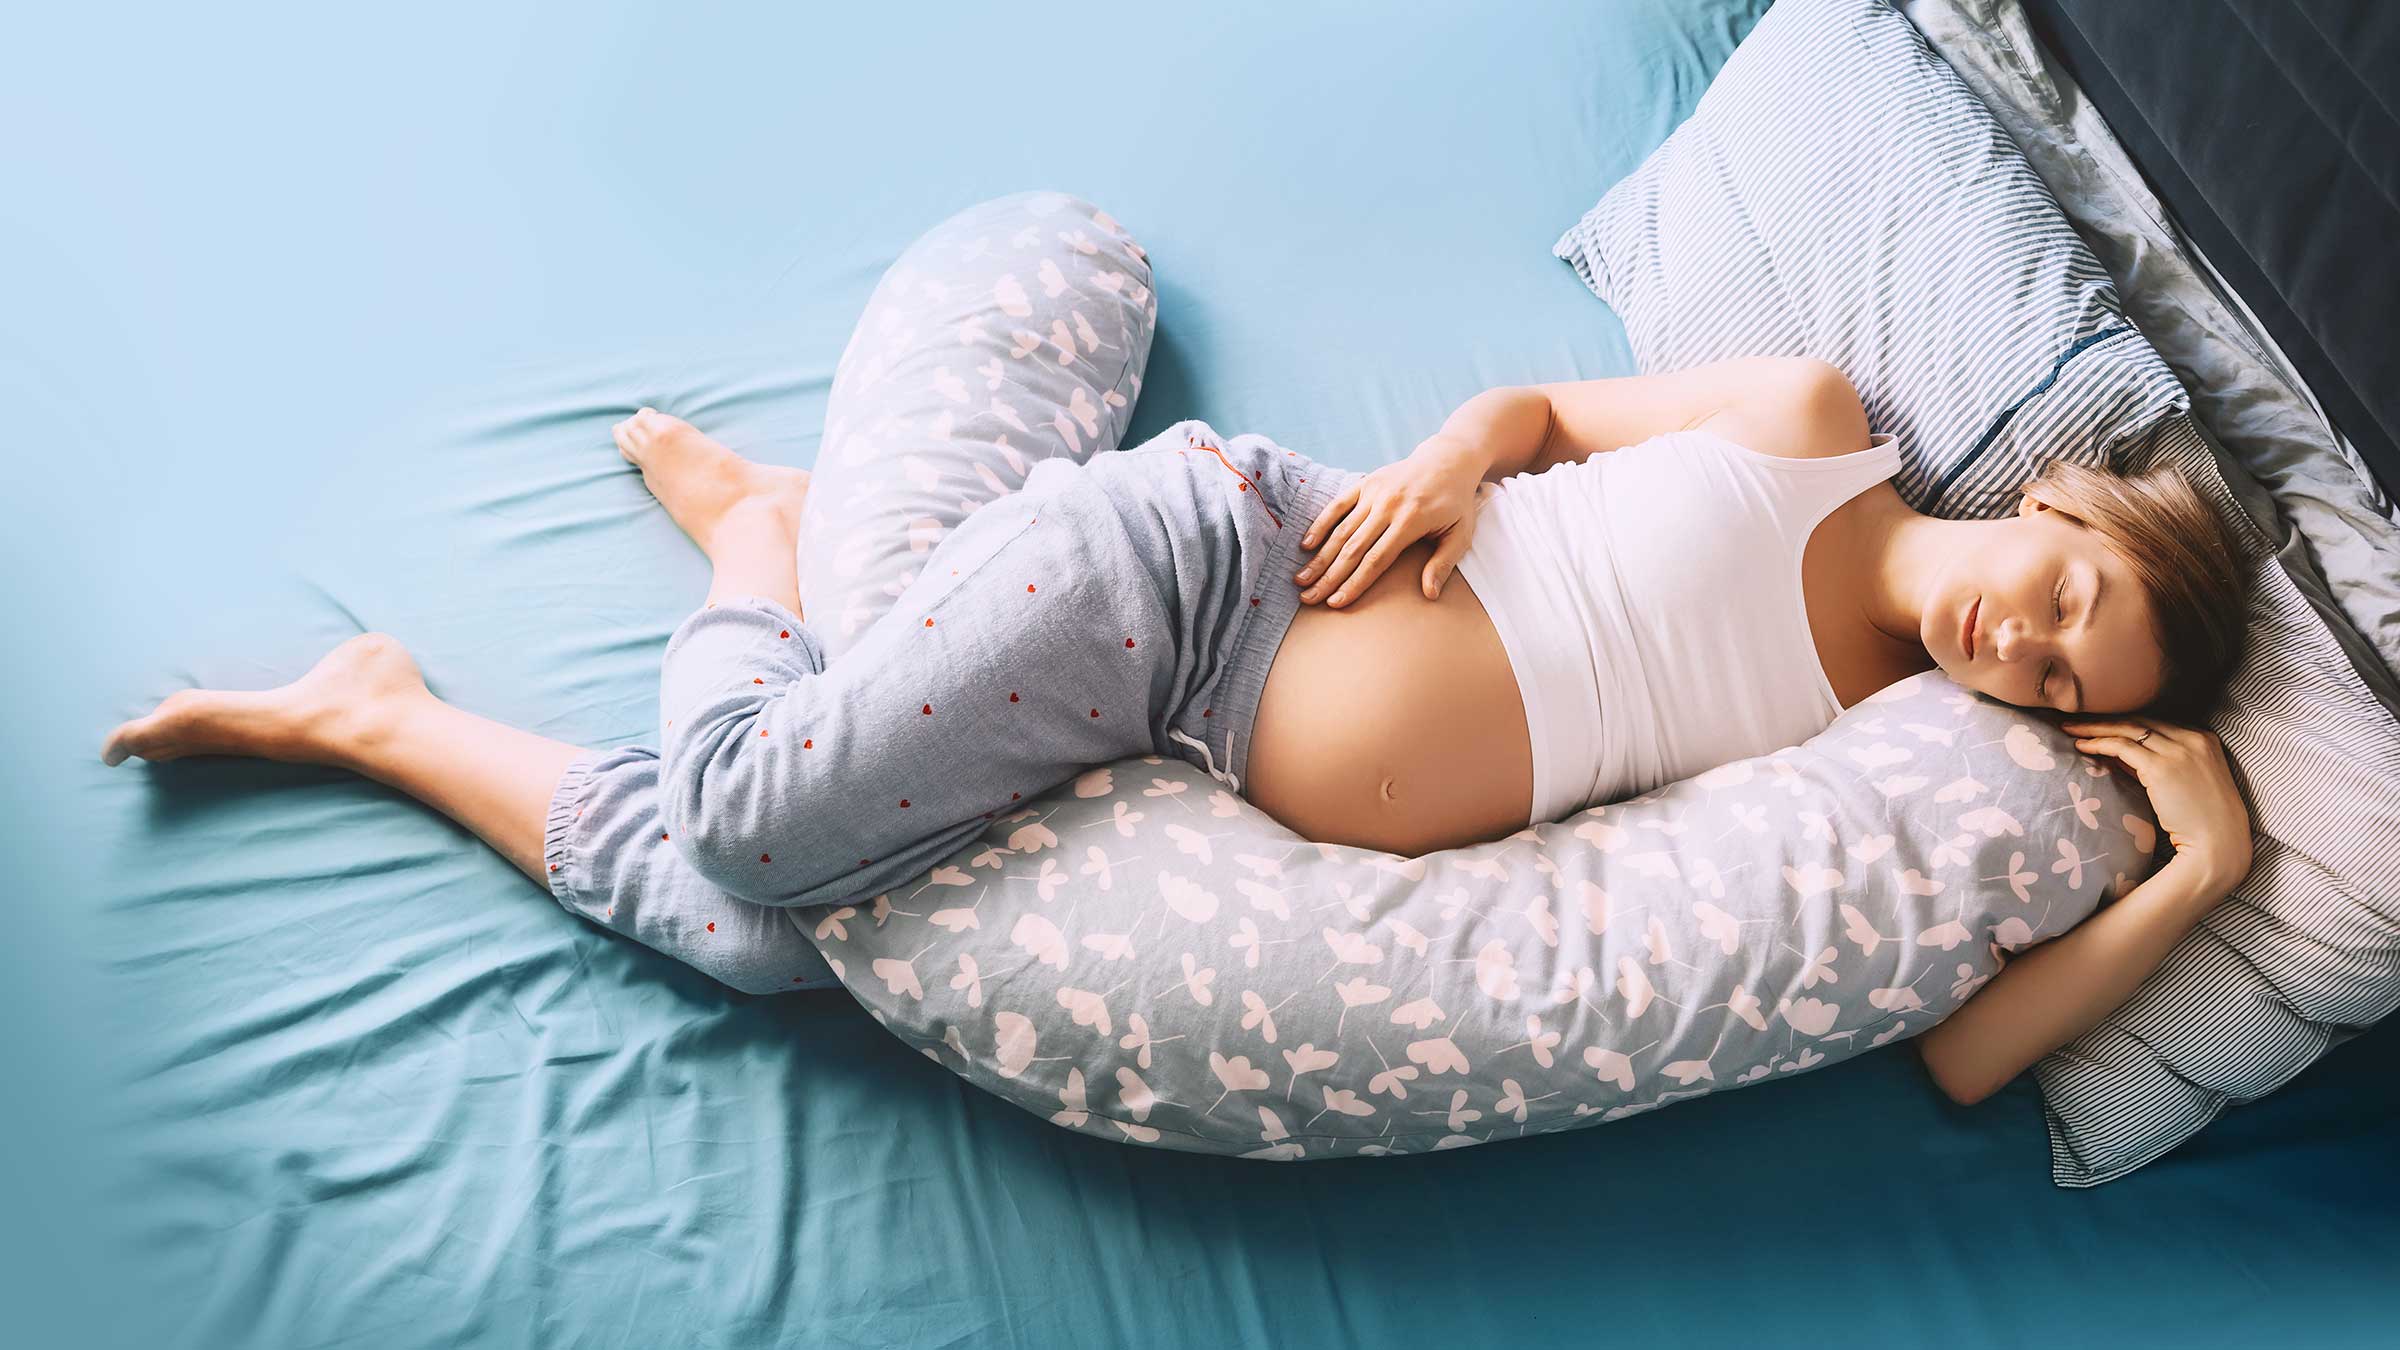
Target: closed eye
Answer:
pixel 2058 614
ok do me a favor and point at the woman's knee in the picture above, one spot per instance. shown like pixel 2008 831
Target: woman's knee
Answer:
pixel 735 838
pixel 763 967
pixel 1058 250
pixel 1057 219
pixel 769 836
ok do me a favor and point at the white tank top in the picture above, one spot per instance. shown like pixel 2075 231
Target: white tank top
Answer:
pixel 1651 605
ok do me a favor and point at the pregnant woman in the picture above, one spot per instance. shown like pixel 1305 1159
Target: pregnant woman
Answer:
pixel 1619 582
pixel 1678 571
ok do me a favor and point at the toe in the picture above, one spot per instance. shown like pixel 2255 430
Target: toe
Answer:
pixel 656 423
pixel 636 436
pixel 131 738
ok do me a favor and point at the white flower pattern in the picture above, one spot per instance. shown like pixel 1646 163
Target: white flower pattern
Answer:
pixel 1360 981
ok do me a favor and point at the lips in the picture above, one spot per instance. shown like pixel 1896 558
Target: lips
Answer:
pixel 1967 642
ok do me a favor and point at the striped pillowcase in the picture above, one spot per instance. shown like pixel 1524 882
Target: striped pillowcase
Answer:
pixel 1839 193
pixel 2306 952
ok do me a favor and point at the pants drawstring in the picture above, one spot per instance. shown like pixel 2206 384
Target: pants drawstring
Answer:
pixel 1208 761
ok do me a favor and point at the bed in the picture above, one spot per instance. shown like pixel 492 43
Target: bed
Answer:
pixel 316 326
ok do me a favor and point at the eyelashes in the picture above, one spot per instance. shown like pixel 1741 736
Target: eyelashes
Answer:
pixel 2058 612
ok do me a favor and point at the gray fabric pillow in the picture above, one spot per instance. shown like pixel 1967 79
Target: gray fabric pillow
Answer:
pixel 1840 193
pixel 1150 959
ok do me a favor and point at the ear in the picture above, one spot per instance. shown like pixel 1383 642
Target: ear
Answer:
pixel 2026 506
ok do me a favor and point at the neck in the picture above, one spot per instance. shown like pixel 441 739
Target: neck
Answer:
pixel 1905 551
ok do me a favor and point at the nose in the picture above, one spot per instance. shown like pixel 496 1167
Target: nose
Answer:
pixel 2014 640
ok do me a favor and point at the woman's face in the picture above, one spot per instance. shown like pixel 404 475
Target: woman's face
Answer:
pixel 2046 616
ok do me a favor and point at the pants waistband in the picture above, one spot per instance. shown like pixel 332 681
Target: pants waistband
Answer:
pixel 1298 489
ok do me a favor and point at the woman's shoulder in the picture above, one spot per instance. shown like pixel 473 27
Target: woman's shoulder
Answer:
pixel 1807 411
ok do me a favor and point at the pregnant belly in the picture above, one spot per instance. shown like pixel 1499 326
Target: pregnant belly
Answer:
pixel 1393 723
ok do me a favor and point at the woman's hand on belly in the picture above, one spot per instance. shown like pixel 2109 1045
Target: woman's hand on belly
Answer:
pixel 1393 723
pixel 1431 495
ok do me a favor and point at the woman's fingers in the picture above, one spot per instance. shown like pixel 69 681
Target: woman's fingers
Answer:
pixel 1332 547
pixel 1358 534
pixel 1354 548
pixel 2140 758
pixel 2104 726
pixel 1334 510
pixel 2145 731
pixel 1445 557
pixel 1378 557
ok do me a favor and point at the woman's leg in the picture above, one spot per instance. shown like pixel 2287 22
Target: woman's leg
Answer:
pixel 905 459
pixel 1034 643
pixel 365 707
pixel 744 515
pixel 1014 332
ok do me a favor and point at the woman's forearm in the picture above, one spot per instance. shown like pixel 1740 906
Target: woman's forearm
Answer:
pixel 1505 429
pixel 2056 991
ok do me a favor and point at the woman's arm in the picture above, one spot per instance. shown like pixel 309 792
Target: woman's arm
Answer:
pixel 1785 405
pixel 2062 988
pixel 1776 405
pixel 1498 432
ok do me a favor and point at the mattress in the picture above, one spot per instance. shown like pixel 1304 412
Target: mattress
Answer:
pixel 315 324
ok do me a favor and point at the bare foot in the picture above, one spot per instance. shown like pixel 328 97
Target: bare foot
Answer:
pixel 698 480
pixel 347 698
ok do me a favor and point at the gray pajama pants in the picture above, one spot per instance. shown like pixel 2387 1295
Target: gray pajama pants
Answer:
pixel 962 656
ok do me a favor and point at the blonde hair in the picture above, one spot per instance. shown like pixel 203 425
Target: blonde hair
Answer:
pixel 2187 559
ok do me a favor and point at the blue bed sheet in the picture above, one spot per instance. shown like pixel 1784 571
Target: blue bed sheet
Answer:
pixel 314 322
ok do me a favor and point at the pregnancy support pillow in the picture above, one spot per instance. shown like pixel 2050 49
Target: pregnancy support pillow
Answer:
pixel 1146 957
